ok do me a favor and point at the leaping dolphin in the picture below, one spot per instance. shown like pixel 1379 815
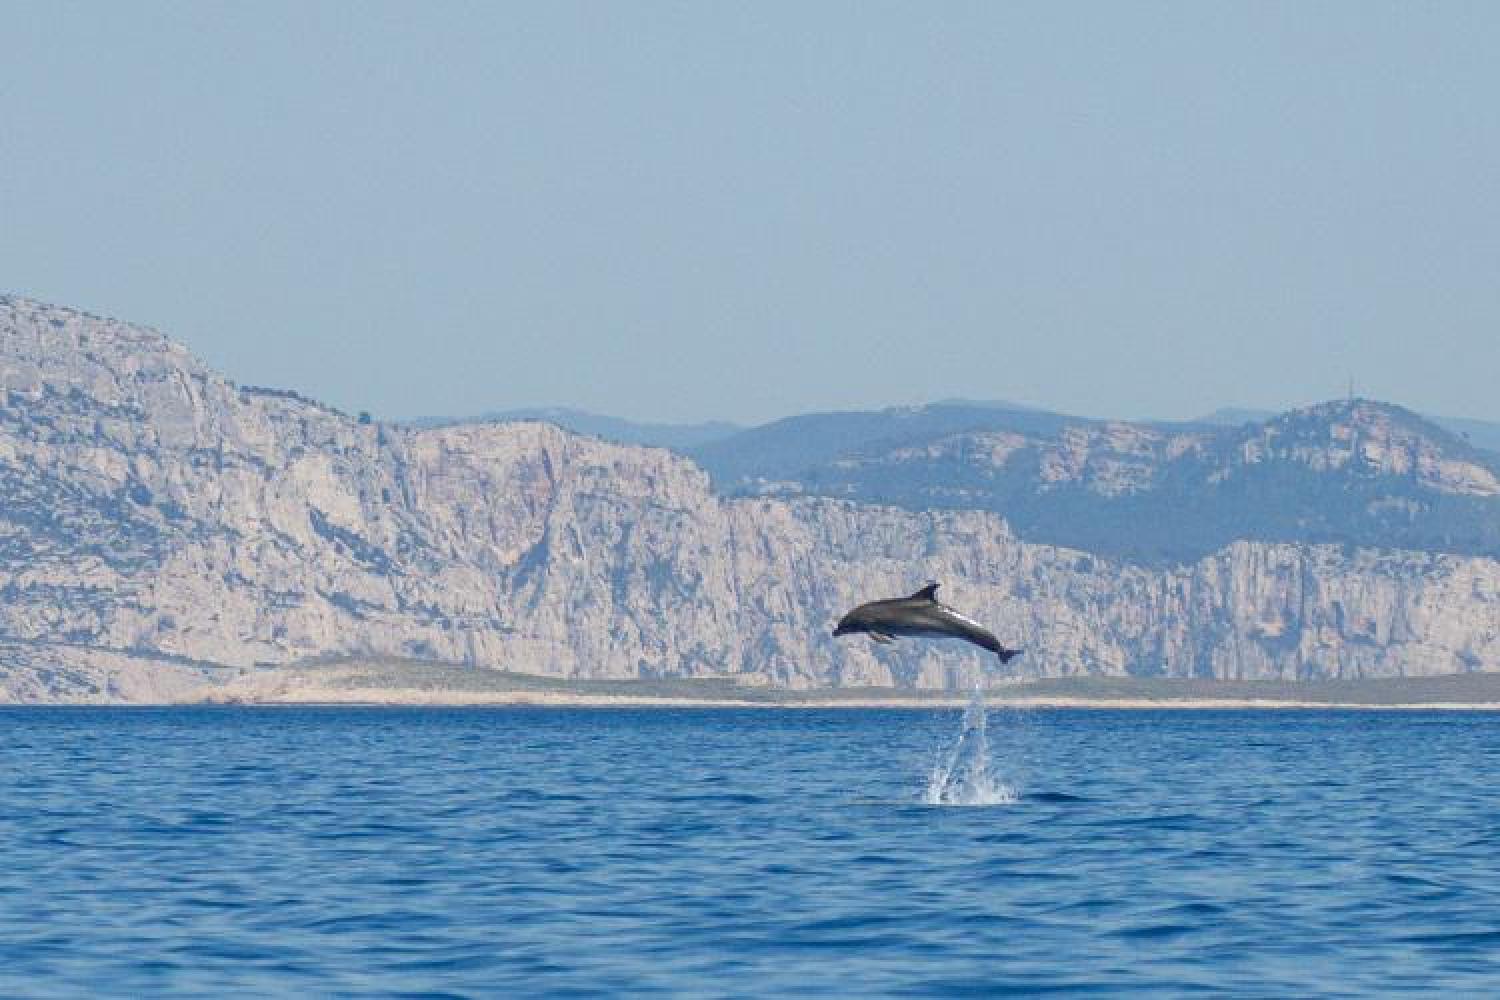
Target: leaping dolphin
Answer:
pixel 921 614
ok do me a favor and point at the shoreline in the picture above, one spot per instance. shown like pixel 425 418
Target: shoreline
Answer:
pixel 376 700
pixel 531 699
pixel 113 681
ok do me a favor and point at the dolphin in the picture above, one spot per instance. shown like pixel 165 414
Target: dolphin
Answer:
pixel 921 614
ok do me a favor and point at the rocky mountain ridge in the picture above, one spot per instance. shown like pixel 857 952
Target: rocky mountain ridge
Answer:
pixel 1351 472
pixel 1483 434
pixel 155 509
pixel 678 437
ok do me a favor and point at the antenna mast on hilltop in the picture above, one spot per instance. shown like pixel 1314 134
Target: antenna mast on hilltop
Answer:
pixel 1351 388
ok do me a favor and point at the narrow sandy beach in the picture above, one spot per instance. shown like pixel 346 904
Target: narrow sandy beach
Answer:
pixel 396 697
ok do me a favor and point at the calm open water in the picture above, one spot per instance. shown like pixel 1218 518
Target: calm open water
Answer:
pixel 755 852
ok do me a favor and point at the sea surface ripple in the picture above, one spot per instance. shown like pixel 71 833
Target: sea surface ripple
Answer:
pixel 758 852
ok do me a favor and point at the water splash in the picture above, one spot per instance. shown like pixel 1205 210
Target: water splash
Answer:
pixel 962 776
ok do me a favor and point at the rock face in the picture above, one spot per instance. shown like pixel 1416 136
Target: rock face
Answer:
pixel 152 508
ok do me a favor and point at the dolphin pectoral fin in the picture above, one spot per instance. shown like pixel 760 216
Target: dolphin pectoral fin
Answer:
pixel 882 638
pixel 1006 655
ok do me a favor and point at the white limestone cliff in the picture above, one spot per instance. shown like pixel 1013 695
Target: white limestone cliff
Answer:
pixel 153 507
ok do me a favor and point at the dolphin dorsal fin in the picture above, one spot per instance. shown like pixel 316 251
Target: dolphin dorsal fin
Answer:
pixel 927 593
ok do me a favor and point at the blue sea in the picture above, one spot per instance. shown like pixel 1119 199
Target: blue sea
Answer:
pixel 757 852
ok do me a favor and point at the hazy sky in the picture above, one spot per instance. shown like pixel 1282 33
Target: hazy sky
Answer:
pixel 684 211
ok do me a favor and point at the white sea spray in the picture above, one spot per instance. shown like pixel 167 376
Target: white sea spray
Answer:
pixel 964 775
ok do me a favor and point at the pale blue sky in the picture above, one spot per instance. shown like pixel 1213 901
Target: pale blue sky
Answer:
pixel 686 211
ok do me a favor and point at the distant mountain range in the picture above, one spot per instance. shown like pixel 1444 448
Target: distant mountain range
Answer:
pixel 1350 472
pixel 868 425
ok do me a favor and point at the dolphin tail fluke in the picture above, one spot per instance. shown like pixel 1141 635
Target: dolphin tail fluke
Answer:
pixel 986 639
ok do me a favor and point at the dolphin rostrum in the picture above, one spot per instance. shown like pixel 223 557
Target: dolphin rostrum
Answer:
pixel 921 614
